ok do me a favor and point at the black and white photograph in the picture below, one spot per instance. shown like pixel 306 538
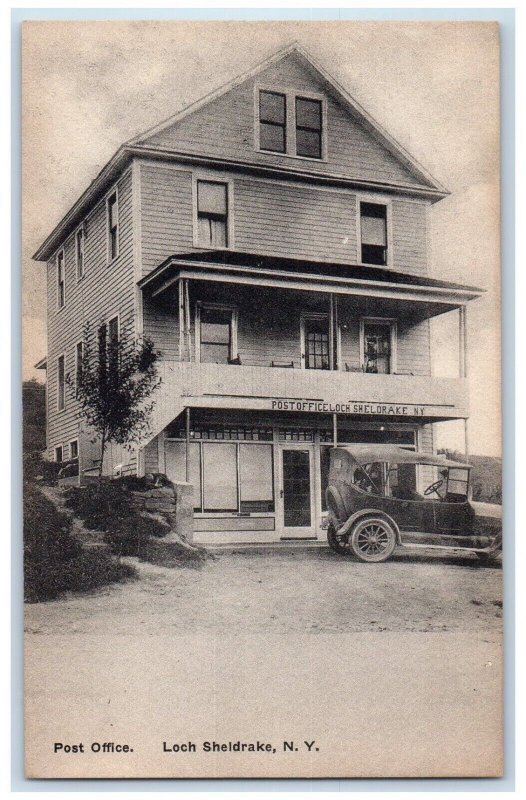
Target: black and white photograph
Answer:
pixel 261 399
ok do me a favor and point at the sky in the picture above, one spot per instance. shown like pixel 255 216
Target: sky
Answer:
pixel 89 86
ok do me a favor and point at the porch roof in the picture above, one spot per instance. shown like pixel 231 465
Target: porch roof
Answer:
pixel 284 272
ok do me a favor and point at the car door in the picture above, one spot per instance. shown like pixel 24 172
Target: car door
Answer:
pixel 452 509
pixel 410 510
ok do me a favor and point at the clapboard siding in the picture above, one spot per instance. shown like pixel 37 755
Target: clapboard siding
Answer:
pixel 278 217
pixel 225 128
pixel 104 291
pixel 166 214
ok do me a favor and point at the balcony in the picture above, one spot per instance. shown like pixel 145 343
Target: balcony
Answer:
pixel 194 385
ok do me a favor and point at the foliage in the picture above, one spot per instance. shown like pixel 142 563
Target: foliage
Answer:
pixel 108 507
pixel 486 475
pixel 54 561
pixel 113 385
pixel 33 427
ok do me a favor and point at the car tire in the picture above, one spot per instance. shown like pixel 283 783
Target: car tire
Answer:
pixel 373 540
pixel 336 544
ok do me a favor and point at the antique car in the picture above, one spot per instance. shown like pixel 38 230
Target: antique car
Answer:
pixel 381 496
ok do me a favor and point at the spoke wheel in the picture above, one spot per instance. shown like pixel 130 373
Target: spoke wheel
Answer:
pixel 338 545
pixel 373 540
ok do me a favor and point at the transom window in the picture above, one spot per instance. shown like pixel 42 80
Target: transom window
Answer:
pixel 373 222
pixel 273 121
pixel 212 214
pixel 232 432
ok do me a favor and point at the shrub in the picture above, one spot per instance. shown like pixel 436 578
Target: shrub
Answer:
pixel 54 561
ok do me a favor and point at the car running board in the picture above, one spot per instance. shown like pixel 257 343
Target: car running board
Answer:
pixel 448 547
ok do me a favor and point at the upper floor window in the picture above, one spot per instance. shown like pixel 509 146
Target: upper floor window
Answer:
pixel 113 226
pixel 61 279
pixel 79 249
pixel 108 340
pixel 308 127
pixel 378 345
pixel 212 214
pixel 273 121
pixel 291 124
pixel 217 334
pixel 61 384
pixel 373 223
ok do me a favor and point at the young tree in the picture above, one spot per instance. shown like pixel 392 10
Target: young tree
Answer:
pixel 115 378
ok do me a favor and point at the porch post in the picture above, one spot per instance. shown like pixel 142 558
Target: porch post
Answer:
pixel 331 331
pixel 466 439
pixel 335 430
pixel 181 318
pixel 462 342
pixel 188 444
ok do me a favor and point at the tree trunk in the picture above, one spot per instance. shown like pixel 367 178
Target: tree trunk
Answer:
pixel 102 449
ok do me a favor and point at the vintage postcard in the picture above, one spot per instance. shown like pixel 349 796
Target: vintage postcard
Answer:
pixel 262 426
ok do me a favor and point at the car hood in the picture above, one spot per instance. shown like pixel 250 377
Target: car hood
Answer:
pixel 487 509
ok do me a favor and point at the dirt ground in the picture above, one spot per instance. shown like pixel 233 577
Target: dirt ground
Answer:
pixel 285 591
pixel 393 669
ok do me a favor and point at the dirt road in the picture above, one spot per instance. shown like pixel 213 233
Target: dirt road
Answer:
pixel 393 669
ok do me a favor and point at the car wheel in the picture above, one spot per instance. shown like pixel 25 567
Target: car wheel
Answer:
pixel 339 546
pixel 373 540
pixel 491 557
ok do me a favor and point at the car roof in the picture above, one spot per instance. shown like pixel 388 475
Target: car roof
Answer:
pixel 367 454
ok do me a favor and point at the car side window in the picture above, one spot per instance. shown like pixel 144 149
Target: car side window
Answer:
pixel 368 478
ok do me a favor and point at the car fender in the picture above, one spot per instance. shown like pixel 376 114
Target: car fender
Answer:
pixel 369 512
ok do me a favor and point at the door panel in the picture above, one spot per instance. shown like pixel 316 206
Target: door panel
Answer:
pixel 297 492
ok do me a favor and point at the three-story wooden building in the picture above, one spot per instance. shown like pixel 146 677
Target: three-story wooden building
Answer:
pixel 272 240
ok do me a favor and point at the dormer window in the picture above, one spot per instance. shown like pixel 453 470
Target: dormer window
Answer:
pixel 273 122
pixel 291 124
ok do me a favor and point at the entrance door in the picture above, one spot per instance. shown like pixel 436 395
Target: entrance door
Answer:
pixel 296 493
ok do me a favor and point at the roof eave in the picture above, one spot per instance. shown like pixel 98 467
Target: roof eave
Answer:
pixel 92 193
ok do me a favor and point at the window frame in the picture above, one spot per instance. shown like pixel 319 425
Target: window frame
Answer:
pixel 213 177
pixel 74 441
pixel 61 252
pixel 60 409
pixel 111 258
pixel 393 324
pixel 306 316
pixel 199 306
pixel 80 272
pixel 298 127
pixel 61 448
pixel 284 126
pixel 290 126
pixel 378 200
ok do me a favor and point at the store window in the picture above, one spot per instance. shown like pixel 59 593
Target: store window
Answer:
pixel 228 477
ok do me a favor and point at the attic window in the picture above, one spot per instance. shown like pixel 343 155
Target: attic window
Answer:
pixel 273 122
pixel 291 124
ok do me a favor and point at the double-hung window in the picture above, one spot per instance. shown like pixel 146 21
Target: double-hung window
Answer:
pixel 373 223
pixel 378 343
pixel 61 384
pixel 273 121
pixel 212 214
pixel 61 279
pixel 79 249
pixel 217 334
pixel 113 226
pixel 308 127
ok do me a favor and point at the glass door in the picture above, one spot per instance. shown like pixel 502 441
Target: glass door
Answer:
pixel 297 493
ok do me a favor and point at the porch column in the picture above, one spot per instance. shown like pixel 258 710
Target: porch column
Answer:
pixel 188 444
pixel 462 342
pixel 335 430
pixel 180 286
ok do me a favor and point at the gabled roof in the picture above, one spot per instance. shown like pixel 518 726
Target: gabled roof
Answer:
pixel 332 86
pixel 139 146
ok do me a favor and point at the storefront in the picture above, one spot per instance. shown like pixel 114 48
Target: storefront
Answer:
pixel 262 478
